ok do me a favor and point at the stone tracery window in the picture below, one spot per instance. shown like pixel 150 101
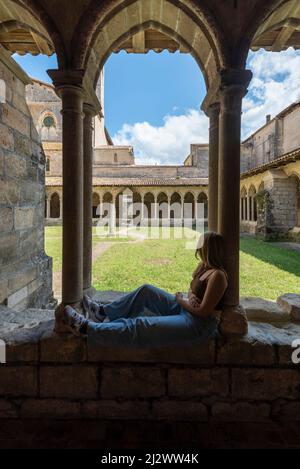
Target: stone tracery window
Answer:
pixel 49 122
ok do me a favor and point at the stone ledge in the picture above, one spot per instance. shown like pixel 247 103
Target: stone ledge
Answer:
pixel 30 339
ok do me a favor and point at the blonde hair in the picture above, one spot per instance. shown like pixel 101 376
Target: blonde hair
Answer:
pixel 210 250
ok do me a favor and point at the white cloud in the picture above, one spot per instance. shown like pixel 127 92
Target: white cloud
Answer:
pixel 275 85
pixel 167 144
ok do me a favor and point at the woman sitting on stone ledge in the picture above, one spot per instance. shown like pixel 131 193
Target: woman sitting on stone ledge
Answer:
pixel 151 317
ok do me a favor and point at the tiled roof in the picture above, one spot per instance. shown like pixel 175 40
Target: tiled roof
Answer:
pixel 97 181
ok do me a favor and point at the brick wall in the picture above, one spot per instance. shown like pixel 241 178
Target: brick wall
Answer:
pixel 25 270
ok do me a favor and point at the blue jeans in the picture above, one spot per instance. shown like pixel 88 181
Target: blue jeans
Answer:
pixel 150 317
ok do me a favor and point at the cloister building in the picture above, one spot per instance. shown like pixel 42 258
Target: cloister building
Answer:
pixel 58 160
pixel 270 202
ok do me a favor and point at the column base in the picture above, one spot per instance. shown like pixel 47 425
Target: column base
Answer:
pixel 90 291
pixel 60 327
pixel 233 321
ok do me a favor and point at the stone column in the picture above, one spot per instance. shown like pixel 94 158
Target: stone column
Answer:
pixel 112 216
pixel 69 87
pixel 213 113
pixel 88 129
pixel 48 206
pixel 232 90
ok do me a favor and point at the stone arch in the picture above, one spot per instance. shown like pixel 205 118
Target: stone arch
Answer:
pixel 163 205
pixel 189 205
pixel 109 25
pixel 137 208
pixel 106 199
pixel 55 205
pixel 202 199
pixel 252 203
pixel 244 210
pixel 96 204
pixel 176 206
pixel 149 200
pixel 260 17
pixel 47 125
pixel 32 16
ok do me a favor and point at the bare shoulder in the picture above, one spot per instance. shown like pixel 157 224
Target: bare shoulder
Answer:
pixel 219 276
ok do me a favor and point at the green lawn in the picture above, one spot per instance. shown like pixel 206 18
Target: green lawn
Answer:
pixel 267 270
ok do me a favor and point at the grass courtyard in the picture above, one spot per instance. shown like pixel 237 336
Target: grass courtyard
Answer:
pixel 267 270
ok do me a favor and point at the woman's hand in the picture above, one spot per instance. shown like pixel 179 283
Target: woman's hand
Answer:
pixel 179 296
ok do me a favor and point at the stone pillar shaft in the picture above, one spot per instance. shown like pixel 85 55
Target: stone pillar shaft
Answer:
pixel 229 185
pixel 233 88
pixel 214 113
pixel 72 269
pixel 87 196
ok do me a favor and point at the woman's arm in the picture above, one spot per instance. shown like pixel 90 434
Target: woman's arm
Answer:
pixel 216 286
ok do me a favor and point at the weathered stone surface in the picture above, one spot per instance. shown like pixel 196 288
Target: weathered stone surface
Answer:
pixel 108 296
pixel 290 302
pixel 50 408
pixel 26 326
pixel 22 352
pixel 64 349
pixel 16 119
pixel 180 410
pixel 110 409
pixel 69 382
pixel 240 411
pixel 24 218
pixel 191 382
pixel 8 410
pixel 259 309
pixel 285 410
pixel 255 348
pixel 16 381
pixel 134 382
pixel 265 384
pixel 6 219
pixel 6 138
pixel 203 354
pixel 234 322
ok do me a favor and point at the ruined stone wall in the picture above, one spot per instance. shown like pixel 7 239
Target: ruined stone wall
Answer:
pixel 25 270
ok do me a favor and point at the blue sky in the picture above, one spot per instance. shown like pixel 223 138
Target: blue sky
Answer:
pixel 152 101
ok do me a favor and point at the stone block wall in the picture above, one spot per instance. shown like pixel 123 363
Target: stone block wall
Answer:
pixel 279 210
pixel 246 380
pixel 25 270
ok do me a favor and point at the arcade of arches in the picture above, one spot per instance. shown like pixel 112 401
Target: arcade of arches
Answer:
pixel 96 29
pixel 249 378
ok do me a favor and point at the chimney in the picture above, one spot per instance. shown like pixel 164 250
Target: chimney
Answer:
pixel 268 118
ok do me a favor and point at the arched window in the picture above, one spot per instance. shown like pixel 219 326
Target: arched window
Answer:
pixel 243 204
pixel 149 201
pixel 203 208
pixel 2 91
pixel 162 201
pixel 48 126
pixel 252 204
pixel 96 203
pixel 55 206
pixel 49 122
pixel 189 206
pixel 176 206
